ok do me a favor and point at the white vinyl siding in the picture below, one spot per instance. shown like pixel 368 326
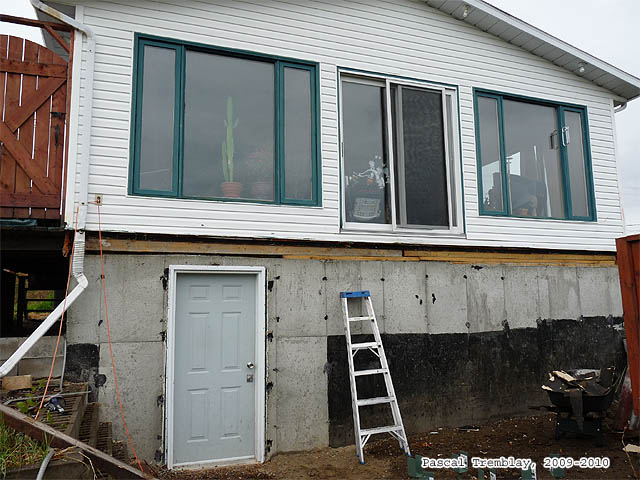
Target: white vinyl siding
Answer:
pixel 390 37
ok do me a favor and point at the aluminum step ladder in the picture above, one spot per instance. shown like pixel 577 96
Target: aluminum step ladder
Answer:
pixel 363 434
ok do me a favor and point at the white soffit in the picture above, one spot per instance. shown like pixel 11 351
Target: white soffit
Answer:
pixel 517 32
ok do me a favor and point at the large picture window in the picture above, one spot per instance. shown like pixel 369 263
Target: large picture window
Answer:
pixel 533 158
pixel 400 155
pixel 230 125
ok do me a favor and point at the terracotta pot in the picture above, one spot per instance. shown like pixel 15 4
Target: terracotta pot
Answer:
pixel 231 189
pixel 262 190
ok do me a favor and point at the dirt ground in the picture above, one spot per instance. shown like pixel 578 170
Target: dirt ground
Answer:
pixel 525 437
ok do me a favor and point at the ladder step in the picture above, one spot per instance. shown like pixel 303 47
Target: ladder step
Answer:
pixel 375 401
pixel 373 431
pixel 359 319
pixel 359 294
pixel 375 371
pixel 356 346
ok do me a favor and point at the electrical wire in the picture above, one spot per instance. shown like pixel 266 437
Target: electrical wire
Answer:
pixel 64 309
pixel 113 364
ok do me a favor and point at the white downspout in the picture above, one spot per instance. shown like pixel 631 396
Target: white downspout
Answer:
pixel 619 178
pixel 620 107
pixel 77 266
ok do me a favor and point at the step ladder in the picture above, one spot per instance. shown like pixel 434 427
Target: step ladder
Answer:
pixel 363 434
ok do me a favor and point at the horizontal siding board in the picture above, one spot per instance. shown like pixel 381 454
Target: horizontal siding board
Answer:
pixel 216 207
pixel 396 37
pixel 186 217
pixel 342 49
pixel 514 230
pixel 367 42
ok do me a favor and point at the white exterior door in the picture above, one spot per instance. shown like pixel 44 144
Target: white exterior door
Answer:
pixel 214 368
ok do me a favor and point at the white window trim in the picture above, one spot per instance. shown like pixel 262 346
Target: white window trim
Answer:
pixel 260 363
pixel 452 163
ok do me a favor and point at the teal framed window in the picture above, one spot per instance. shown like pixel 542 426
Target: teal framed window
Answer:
pixel 221 124
pixel 533 158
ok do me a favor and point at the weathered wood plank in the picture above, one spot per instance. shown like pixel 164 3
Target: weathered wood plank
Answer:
pixel 524 263
pixel 11 102
pixel 504 253
pixel 354 258
pixel 18 382
pixel 6 161
pixel 348 253
pixel 34 200
pixel 4 39
pixel 635 259
pixel 38 213
pixel 46 88
pixel 41 155
pixel 33 68
pixel 25 136
pixel 57 137
pixel 35 23
pixel 24 160
pixel 57 38
pixel 531 258
pixel 41 432
pixel 629 271
pixel 217 248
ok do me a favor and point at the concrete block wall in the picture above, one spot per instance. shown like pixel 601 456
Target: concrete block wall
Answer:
pixel 304 313
pixel 37 361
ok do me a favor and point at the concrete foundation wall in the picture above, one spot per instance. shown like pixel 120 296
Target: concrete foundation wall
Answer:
pixel 423 299
pixel 37 361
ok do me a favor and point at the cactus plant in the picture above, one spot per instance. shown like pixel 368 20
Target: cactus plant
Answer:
pixel 227 143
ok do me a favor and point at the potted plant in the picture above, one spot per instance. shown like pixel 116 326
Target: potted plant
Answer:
pixel 366 192
pixel 261 161
pixel 230 188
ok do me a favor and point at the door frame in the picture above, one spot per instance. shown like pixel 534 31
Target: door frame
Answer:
pixel 260 359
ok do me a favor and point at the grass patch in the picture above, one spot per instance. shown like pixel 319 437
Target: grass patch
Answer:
pixel 41 305
pixel 18 449
pixel 41 300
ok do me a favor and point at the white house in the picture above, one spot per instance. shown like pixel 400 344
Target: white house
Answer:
pixel 246 161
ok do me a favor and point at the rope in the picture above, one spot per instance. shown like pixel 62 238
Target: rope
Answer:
pixel 64 309
pixel 113 364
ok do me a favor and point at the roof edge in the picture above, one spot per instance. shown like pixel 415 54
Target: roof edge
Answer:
pixel 554 41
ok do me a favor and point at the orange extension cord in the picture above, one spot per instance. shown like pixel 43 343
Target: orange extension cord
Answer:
pixel 113 364
pixel 106 311
pixel 64 309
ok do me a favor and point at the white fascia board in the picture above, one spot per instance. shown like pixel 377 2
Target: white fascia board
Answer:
pixel 525 27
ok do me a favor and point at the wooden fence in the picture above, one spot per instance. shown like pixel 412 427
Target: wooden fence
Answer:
pixel 33 106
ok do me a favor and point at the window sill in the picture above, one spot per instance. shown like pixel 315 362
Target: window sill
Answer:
pixel 544 219
pixel 228 201
pixel 402 232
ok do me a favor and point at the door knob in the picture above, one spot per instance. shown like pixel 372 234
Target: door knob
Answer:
pixel 250 365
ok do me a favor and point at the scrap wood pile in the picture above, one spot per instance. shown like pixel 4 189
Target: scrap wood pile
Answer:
pixel 592 383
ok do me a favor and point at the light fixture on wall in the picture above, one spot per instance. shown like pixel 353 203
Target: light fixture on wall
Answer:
pixel 465 12
pixel 581 66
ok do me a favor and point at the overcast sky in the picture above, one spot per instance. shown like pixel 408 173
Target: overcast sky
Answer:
pixel 608 29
